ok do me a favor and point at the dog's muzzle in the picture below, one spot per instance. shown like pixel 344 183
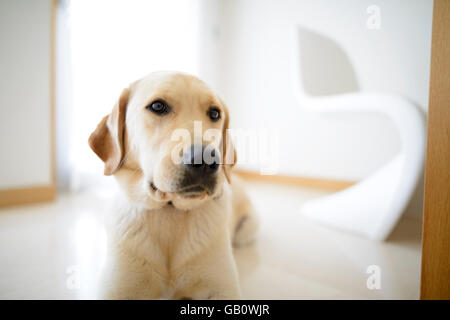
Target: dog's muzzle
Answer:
pixel 201 164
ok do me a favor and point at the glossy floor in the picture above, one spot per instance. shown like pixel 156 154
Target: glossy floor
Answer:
pixel 55 251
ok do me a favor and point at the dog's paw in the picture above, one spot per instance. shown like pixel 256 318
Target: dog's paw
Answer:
pixel 246 230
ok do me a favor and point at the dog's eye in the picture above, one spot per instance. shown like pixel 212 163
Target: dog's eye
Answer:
pixel 158 107
pixel 214 114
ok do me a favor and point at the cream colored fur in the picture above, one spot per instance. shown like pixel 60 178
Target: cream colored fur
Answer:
pixel 157 250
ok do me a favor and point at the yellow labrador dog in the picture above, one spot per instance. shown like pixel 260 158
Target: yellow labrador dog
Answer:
pixel 171 231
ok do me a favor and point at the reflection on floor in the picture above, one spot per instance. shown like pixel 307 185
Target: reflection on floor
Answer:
pixel 55 251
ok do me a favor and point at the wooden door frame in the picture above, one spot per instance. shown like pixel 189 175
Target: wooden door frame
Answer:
pixel 435 278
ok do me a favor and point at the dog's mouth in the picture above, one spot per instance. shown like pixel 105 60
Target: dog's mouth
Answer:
pixel 191 191
pixel 153 187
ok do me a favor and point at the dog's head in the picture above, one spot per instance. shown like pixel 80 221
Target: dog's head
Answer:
pixel 165 141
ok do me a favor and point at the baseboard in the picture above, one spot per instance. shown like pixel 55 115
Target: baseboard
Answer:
pixel 19 196
pixel 313 183
pixel 47 193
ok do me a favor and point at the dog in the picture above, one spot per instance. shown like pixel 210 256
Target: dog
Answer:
pixel 175 220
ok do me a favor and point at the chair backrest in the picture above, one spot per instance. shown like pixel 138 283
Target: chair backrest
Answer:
pixel 320 66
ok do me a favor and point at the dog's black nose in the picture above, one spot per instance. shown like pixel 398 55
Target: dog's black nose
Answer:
pixel 201 159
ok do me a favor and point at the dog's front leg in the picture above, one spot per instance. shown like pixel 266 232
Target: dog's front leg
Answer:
pixel 212 276
pixel 128 278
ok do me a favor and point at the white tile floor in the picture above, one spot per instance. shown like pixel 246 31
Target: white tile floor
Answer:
pixel 54 251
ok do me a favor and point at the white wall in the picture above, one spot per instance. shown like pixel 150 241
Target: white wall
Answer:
pixel 255 69
pixel 114 43
pixel 25 136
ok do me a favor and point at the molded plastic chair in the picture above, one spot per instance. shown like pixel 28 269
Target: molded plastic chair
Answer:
pixel 372 206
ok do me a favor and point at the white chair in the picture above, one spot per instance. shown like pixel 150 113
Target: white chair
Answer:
pixel 372 206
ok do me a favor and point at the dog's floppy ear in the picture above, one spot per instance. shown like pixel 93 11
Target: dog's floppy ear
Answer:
pixel 107 139
pixel 229 156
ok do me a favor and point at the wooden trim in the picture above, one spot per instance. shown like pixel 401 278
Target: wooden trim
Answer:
pixel 314 183
pixel 21 196
pixel 435 283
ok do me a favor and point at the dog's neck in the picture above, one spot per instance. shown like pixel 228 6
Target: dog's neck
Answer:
pixel 168 236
